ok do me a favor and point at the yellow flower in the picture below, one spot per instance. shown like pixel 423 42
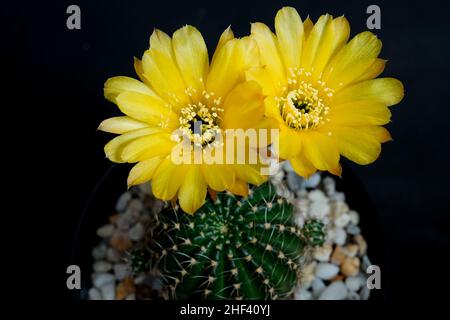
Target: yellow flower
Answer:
pixel 179 87
pixel 323 91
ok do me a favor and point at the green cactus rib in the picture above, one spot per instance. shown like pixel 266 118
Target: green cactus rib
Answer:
pixel 232 248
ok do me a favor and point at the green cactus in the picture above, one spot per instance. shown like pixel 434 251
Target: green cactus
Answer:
pixel 231 248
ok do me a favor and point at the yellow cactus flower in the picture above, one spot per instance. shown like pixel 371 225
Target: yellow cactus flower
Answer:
pixel 323 92
pixel 178 86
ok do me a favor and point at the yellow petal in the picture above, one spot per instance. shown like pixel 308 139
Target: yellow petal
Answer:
pixel 159 40
pixel 302 166
pixel 289 30
pixel 191 56
pixel 192 191
pixel 372 71
pixel 249 173
pixel 239 188
pixel 352 60
pixel 226 69
pixel 146 147
pixel 320 150
pixel 357 145
pixel 379 133
pixel 388 91
pixel 164 186
pixel 360 113
pixel 114 148
pixel 121 125
pixel 334 37
pixel 289 143
pixel 147 109
pixel 243 107
pixel 117 85
pixel 226 36
pixel 269 52
pixel 312 44
pixel 139 70
pixel 307 27
pixel 262 77
pixel 162 73
pixel 218 177
pixel 143 171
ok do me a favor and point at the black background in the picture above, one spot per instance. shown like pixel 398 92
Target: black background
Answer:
pixel 57 77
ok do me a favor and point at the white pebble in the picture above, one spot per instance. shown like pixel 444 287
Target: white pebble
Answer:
pixel 102 266
pixel 313 181
pixel 339 236
pixel 354 283
pixel 353 296
pixel 99 252
pixel 342 220
pixel 317 195
pixel 105 231
pixel 136 233
pixel 317 287
pixel 353 230
pixel 326 271
pixel 108 291
pixel 365 293
pixel 112 255
pixel 302 294
pixel 322 253
pixel 121 270
pixel 286 165
pixel 354 217
pixel 335 291
pixel 94 294
pixel 101 279
pixel 123 201
pixel 319 210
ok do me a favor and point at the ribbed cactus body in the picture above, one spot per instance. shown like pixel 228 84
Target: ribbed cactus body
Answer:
pixel 232 248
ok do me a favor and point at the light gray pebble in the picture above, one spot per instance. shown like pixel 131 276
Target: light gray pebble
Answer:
pixel 294 181
pixel 101 279
pixel 286 165
pixel 302 294
pixel 124 222
pixel 317 287
pixel 335 291
pixel 317 195
pixel 353 230
pixel 136 233
pixel 313 181
pixel 365 293
pixel 354 217
pixel 353 296
pixel 339 236
pixel 112 255
pixel 122 202
pixel 121 271
pixel 108 291
pixel 354 283
pixel 99 252
pixel 326 271
pixel 102 266
pixel 342 220
pixel 94 294
pixel 105 231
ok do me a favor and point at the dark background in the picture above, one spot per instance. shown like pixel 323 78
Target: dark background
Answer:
pixel 57 77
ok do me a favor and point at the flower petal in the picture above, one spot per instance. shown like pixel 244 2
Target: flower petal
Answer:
pixel 147 109
pixel 388 91
pixel 315 38
pixel 289 31
pixel 269 53
pixel 249 173
pixel 360 113
pixel 218 177
pixel 146 147
pixel 164 186
pixel 302 166
pixel 143 171
pixel 262 77
pixel 191 56
pixel 117 85
pixel 320 150
pixel 239 188
pixel 114 148
pixel 121 125
pixel 192 191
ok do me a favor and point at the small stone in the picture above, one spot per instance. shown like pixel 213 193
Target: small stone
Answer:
pixel 326 271
pixel 124 222
pixel 337 196
pixel 313 181
pixel 338 256
pixel 339 236
pixel 353 230
pixel 365 293
pixel 108 291
pixel 112 255
pixel 102 266
pixel 318 210
pixel 317 195
pixel 351 250
pixel 121 271
pixel 354 217
pixel 362 244
pixel 350 267
pixel 353 296
pixel 101 279
pixel 366 262
pixel 120 240
pixel 329 186
pixel 125 288
pixel 339 277
pixel 99 252
pixel 317 287
pixel 342 220
pixel 137 232
pixel 294 181
pixel 335 291
pixel 94 294
pixel 302 294
pixel 122 202
pixel 135 207
pixel 286 165
pixel 322 253
pixel 354 283
pixel 105 231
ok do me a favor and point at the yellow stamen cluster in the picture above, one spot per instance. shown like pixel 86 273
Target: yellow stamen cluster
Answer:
pixel 303 103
